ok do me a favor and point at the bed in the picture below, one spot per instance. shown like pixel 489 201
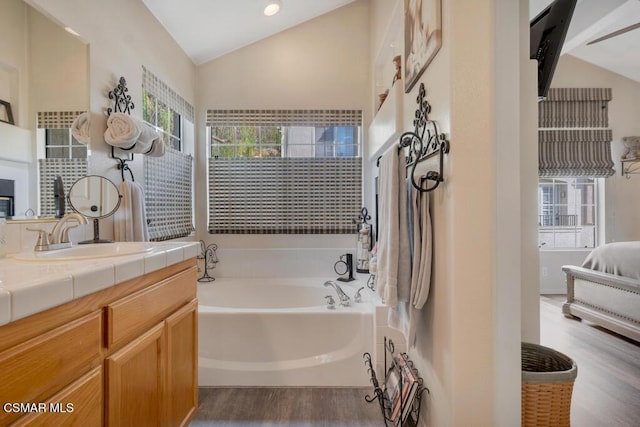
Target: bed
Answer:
pixel 605 290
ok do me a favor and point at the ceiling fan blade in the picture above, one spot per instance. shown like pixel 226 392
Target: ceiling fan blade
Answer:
pixel 615 33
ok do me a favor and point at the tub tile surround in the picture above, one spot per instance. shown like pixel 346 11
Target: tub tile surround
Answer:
pixel 278 262
pixel 30 287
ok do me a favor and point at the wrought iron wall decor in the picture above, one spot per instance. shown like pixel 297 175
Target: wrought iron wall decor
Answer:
pixel 424 142
pixel 121 104
pixel 121 99
pixel 208 254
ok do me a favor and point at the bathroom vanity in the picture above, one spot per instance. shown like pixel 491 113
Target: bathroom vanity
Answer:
pixel 123 354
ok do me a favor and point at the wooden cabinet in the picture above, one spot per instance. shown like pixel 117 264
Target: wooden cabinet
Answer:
pixel 123 356
pixel 181 333
pixel 40 367
pixel 134 381
pixel 78 405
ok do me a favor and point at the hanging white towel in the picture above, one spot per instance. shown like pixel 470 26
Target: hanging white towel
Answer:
pixel 130 218
pixel 122 131
pixel 393 282
pixel 405 316
pixel 81 128
pixel 422 255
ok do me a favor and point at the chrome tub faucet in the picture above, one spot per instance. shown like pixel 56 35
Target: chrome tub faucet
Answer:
pixel 345 301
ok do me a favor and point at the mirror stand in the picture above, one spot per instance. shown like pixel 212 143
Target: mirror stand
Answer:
pixel 94 197
pixel 96 234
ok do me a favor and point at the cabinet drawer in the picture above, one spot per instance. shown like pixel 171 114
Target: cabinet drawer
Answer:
pixel 132 315
pixel 80 404
pixel 37 369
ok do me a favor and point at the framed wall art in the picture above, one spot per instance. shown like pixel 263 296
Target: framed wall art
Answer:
pixel 5 112
pixel 422 37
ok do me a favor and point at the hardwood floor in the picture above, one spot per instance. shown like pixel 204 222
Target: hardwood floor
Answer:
pixel 606 392
pixel 607 389
pixel 296 406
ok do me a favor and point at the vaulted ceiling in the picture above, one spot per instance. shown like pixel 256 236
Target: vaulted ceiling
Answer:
pixel 207 29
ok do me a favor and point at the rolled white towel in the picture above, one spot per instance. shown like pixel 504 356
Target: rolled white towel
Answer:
pixel 81 128
pixel 147 137
pixel 157 148
pixel 122 131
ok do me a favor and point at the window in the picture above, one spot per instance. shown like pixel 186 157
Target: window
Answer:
pixel 567 213
pixel 168 180
pixel 166 120
pixel 60 144
pixel 284 171
pixel 284 141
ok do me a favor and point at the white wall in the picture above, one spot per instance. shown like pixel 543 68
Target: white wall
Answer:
pixel 468 345
pixel 322 63
pixel 58 68
pixel 622 198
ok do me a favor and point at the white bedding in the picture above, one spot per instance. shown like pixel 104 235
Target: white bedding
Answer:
pixel 619 258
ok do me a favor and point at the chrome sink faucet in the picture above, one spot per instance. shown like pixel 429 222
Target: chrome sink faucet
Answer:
pixel 59 236
pixel 345 301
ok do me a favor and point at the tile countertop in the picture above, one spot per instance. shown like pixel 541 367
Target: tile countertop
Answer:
pixel 28 287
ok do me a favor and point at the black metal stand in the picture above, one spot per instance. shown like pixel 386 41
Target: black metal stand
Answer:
pixel 208 254
pixel 388 399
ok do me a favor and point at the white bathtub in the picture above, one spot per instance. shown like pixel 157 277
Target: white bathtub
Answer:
pixel 278 332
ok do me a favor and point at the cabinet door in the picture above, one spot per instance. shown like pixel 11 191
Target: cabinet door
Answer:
pixel 37 369
pixel 134 377
pixel 79 405
pixel 182 364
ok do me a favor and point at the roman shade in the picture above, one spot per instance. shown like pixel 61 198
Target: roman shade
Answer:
pixel 56 119
pixel 163 93
pixel 284 195
pixel 70 170
pixel 573 139
pixel 168 195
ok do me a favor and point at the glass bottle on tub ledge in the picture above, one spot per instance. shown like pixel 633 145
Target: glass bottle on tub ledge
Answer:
pixel 363 246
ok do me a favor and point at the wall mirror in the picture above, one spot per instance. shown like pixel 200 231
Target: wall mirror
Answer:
pixel 94 197
pixel 45 77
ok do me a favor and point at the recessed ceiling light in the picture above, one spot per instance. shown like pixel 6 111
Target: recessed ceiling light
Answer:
pixel 272 7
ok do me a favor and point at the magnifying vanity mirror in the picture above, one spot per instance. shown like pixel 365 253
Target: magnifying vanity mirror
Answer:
pixel 94 197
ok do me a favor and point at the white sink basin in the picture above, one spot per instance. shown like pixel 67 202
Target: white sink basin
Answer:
pixel 90 251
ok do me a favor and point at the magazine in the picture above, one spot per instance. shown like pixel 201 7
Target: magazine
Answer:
pixel 404 400
pixel 392 387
